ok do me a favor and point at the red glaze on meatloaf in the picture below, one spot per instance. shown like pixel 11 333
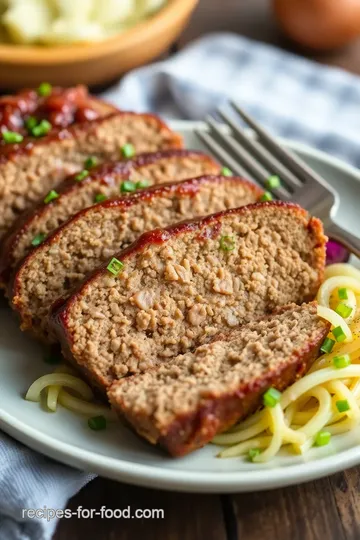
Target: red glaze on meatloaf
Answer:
pixel 30 169
pixel 106 181
pixel 183 404
pixel 95 234
pixel 180 286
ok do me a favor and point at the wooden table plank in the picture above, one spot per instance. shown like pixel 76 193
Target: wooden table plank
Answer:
pixel 186 517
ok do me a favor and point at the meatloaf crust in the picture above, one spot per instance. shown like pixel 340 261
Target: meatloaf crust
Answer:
pixel 182 405
pixel 30 169
pixel 181 285
pixel 97 233
pixel 104 180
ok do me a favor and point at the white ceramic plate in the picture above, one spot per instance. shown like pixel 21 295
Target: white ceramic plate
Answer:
pixel 118 453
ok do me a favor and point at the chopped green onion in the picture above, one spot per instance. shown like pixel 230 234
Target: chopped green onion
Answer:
pixel 44 89
pixel 271 397
pixel 273 182
pixel 127 187
pixel 342 361
pixel 100 197
pixel 327 346
pixel 343 310
pixel 30 123
pixel 225 171
pixel 115 266
pixel 51 196
pixel 339 334
pixel 227 243
pixel 253 452
pixel 83 174
pixel 128 150
pixel 41 129
pixel 38 239
pixel 91 162
pixel 343 294
pixel 53 358
pixel 97 423
pixel 322 438
pixel 142 184
pixel 342 405
pixel 266 197
pixel 12 137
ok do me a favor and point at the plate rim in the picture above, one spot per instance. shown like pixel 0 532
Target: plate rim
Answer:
pixel 179 480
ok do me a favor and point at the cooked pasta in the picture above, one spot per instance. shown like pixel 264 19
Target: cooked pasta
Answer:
pixel 326 401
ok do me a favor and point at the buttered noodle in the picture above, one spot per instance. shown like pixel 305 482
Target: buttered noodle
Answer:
pixel 311 405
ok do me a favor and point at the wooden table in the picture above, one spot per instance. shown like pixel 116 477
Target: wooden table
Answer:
pixel 328 508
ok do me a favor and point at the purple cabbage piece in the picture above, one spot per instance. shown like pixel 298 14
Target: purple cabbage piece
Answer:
pixel 336 253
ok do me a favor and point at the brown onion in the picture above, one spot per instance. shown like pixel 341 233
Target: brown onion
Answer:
pixel 319 24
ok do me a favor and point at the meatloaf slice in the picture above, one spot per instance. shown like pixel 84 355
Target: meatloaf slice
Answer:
pixel 183 404
pixel 106 180
pixel 94 235
pixel 180 286
pixel 30 169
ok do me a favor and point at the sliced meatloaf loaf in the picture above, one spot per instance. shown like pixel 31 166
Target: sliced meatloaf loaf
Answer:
pixel 94 235
pixel 175 288
pixel 183 404
pixel 105 181
pixel 30 169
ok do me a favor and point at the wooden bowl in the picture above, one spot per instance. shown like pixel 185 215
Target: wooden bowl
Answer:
pixel 98 62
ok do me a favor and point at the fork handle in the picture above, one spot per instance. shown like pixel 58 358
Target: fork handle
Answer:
pixel 347 239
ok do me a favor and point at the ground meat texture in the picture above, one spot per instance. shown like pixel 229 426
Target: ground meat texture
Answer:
pixel 29 170
pixel 106 180
pixel 96 234
pixel 183 404
pixel 193 288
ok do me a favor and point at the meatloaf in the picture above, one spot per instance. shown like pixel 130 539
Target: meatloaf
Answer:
pixel 183 404
pixel 94 235
pixel 174 289
pixel 33 167
pixel 105 181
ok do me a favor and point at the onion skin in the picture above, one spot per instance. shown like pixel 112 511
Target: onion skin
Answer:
pixel 336 253
pixel 319 24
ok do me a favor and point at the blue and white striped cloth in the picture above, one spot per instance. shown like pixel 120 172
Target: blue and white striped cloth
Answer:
pixel 292 96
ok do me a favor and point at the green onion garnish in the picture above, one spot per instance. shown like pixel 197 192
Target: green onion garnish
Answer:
pixel 339 334
pixel 38 239
pixel 91 162
pixel 343 310
pixel 51 196
pixel 115 266
pixel 30 123
pixel 127 187
pixel 266 197
pixel 227 243
pixel 322 438
pixel 12 137
pixel 100 197
pixel 343 294
pixel 225 171
pixel 142 184
pixel 327 346
pixel 271 397
pixel 342 361
pixel 128 150
pixel 83 174
pixel 342 405
pixel 97 423
pixel 273 182
pixel 53 358
pixel 253 452
pixel 44 89
pixel 41 129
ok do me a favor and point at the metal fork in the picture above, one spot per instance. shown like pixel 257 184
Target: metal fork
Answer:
pixel 261 157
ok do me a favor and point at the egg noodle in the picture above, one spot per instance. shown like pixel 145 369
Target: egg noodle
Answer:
pixel 326 401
